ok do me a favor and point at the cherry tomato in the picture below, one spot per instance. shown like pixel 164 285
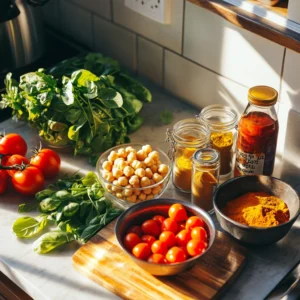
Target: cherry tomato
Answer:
pixel 168 237
pixel 185 251
pixel 159 219
pixel 151 227
pixel 135 229
pixel 28 181
pixel 149 239
pixel 3 181
pixel 199 233
pixel 175 255
pixel 181 225
pixel 4 160
pixel 130 240
pixel 195 247
pixel 194 221
pixel 159 247
pixel 183 237
pixel 47 161
pixel 169 225
pixel 177 212
pixel 13 144
pixel 141 251
pixel 15 159
pixel 157 258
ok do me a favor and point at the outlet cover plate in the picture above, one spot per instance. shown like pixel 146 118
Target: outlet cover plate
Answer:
pixel 157 10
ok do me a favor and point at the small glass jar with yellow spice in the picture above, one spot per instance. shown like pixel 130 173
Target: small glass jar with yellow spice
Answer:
pixel 185 138
pixel 222 121
pixel 205 177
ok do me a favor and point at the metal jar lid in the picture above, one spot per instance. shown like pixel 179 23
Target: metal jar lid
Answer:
pixel 262 95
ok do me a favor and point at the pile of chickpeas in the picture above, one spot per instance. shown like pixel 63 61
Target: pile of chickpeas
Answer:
pixel 130 172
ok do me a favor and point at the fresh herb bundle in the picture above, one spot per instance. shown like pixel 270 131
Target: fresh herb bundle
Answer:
pixel 87 102
pixel 74 204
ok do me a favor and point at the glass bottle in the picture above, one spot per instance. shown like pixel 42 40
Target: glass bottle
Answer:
pixel 222 121
pixel 257 133
pixel 185 138
pixel 205 177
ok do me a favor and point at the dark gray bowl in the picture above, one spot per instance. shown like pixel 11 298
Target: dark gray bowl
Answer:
pixel 142 211
pixel 238 186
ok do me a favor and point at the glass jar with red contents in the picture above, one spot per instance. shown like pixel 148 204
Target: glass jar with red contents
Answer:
pixel 257 133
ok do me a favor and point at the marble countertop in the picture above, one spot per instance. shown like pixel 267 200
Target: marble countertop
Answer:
pixel 52 276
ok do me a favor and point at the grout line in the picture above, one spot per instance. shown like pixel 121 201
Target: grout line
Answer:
pixel 281 74
pixel 183 28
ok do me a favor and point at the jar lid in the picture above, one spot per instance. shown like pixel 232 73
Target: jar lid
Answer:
pixel 262 95
pixel 206 156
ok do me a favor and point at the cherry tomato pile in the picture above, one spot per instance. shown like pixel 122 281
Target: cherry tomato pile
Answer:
pixel 28 177
pixel 167 240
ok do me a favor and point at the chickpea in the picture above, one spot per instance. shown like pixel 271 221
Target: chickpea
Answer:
pixel 108 177
pixel 145 181
pixel 163 169
pixel 134 181
pixel 122 181
pixel 157 177
pixel 128 191
pixel 154 155
pixel 131 157
pixel 128 171
pixel 148 161
pixel 147 191
pixel 113 156
pixel 130 149
pixel 149 197
pixel 119 195
pixel 154 168
pixel 137 192
pixel 142 196
pixel 115 187
pixel 149 173
pixel 152 182
pixel 147 148
pixel 156 190
pixel 131 198
pixel 107 165
pixel 120 163
pixel 117 172
pixel 140 172
pixel 141 155
pixel 136 164
pixel 122 153
pixel 108 186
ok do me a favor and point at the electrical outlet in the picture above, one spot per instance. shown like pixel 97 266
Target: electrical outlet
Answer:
pixel 157 10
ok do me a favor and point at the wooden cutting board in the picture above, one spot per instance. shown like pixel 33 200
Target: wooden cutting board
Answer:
pixel 102 260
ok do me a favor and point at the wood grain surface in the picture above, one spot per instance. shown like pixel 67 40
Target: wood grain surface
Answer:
pixel 102 260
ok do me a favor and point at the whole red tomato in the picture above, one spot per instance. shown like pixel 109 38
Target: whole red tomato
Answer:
pixel 13 144
pixel 15 159
pixel 47 161
pixel 3 181
pixel 28 181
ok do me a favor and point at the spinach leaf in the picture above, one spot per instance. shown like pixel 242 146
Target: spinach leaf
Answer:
pixel 110 98
pixel 49 204
pixel 89 179
pixel 166 117
pixel 51 240
pixel 70 209
pixel 27 207
pixel 26 227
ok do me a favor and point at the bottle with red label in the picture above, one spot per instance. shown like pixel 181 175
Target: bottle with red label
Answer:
pixel 257 133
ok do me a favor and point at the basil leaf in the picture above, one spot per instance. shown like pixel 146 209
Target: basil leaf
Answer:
pixel 51 240
pixel 49 204
pixel 26 227
pixel 27 207
pixel 70 209
pixel 89 179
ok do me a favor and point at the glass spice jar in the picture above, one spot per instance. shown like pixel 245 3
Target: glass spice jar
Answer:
pixel 185 138
pixel 221 121
pixel 257 133
pixel 205 177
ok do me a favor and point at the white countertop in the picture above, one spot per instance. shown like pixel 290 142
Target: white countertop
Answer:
pixel 52 276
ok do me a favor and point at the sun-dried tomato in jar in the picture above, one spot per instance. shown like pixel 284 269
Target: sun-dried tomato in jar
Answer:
pixel 257 133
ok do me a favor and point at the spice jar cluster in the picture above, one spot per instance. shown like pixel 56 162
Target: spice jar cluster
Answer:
pixel 205 148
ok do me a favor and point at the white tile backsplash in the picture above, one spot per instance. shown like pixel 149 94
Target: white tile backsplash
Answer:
pixel 169 36
pixel 116 42
pixel 99 7
pixel 200 86
pixel 76 22
pixel 229 50
pixel 294 10
pixel 290 91
pixel 150 60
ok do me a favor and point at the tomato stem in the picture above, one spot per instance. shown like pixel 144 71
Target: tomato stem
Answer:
pixel 14 167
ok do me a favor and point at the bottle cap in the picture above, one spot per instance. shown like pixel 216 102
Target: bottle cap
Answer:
pixel 262 95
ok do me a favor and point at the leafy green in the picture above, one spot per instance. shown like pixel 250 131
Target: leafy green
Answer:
pixel 87 102
pixel 26 227
pixel 166 117
pixel 27 207
pixel 76 206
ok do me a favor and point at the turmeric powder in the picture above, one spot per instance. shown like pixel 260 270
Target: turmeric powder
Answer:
pixel 223 141
pixel 257 209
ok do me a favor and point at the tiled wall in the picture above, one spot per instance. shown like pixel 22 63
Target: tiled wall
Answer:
pixel 199 57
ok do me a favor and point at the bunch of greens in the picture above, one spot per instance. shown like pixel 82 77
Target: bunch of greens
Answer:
pixel 86 101
pixel 74 204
